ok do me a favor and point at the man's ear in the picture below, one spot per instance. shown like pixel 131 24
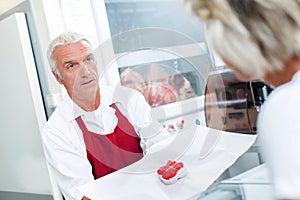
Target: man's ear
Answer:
pixel 57 77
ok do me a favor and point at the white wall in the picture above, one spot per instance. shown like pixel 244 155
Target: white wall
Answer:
pixel 23 166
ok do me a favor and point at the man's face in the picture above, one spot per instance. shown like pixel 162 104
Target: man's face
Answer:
pixel 78 69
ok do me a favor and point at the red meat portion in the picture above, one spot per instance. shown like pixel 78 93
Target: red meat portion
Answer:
pixel 170 170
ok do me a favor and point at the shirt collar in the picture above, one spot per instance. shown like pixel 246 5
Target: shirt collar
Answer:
pixel 72 110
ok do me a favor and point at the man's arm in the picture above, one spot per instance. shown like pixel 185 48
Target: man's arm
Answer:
pixel 69 165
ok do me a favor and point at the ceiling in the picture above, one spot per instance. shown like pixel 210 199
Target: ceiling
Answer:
pixel 8 4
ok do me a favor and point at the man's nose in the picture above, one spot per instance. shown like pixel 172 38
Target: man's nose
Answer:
pixel 84 69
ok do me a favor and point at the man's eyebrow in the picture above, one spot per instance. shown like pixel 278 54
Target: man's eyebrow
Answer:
pixel 91 54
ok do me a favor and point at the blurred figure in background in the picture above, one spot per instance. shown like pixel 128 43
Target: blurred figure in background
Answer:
pixel 260 39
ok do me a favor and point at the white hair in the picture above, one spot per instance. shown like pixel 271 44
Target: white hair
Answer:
pixel 255 36
pixel 62 39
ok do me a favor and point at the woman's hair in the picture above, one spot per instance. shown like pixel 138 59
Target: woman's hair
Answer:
pixel 255 36
pixel 62 39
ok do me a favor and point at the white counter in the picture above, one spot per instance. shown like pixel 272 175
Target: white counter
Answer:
pixel 206 153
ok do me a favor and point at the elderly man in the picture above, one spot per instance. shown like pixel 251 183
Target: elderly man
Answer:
pixel 93 131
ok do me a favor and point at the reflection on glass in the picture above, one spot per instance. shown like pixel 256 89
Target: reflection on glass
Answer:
pixel 231 105
pixel 162 74
pixel 160 50
pixel 160 86
pixel 126 15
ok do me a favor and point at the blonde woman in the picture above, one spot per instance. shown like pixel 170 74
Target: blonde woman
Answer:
pixel 260 39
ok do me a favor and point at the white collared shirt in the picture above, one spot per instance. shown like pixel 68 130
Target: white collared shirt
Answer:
pixel 63 140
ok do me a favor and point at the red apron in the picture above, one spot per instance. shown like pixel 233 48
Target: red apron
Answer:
pixel 108 153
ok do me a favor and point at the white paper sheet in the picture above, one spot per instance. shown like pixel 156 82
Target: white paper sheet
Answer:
pixel 206 153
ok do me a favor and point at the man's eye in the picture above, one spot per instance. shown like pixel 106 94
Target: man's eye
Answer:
pixel 70 66
pixel 89 59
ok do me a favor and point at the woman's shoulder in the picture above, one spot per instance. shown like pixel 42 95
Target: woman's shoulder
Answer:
pixel 283 100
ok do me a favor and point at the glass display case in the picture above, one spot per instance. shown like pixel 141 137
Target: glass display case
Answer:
pixel 159 50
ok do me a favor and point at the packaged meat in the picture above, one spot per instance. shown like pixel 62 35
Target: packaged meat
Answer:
pixel 171 172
